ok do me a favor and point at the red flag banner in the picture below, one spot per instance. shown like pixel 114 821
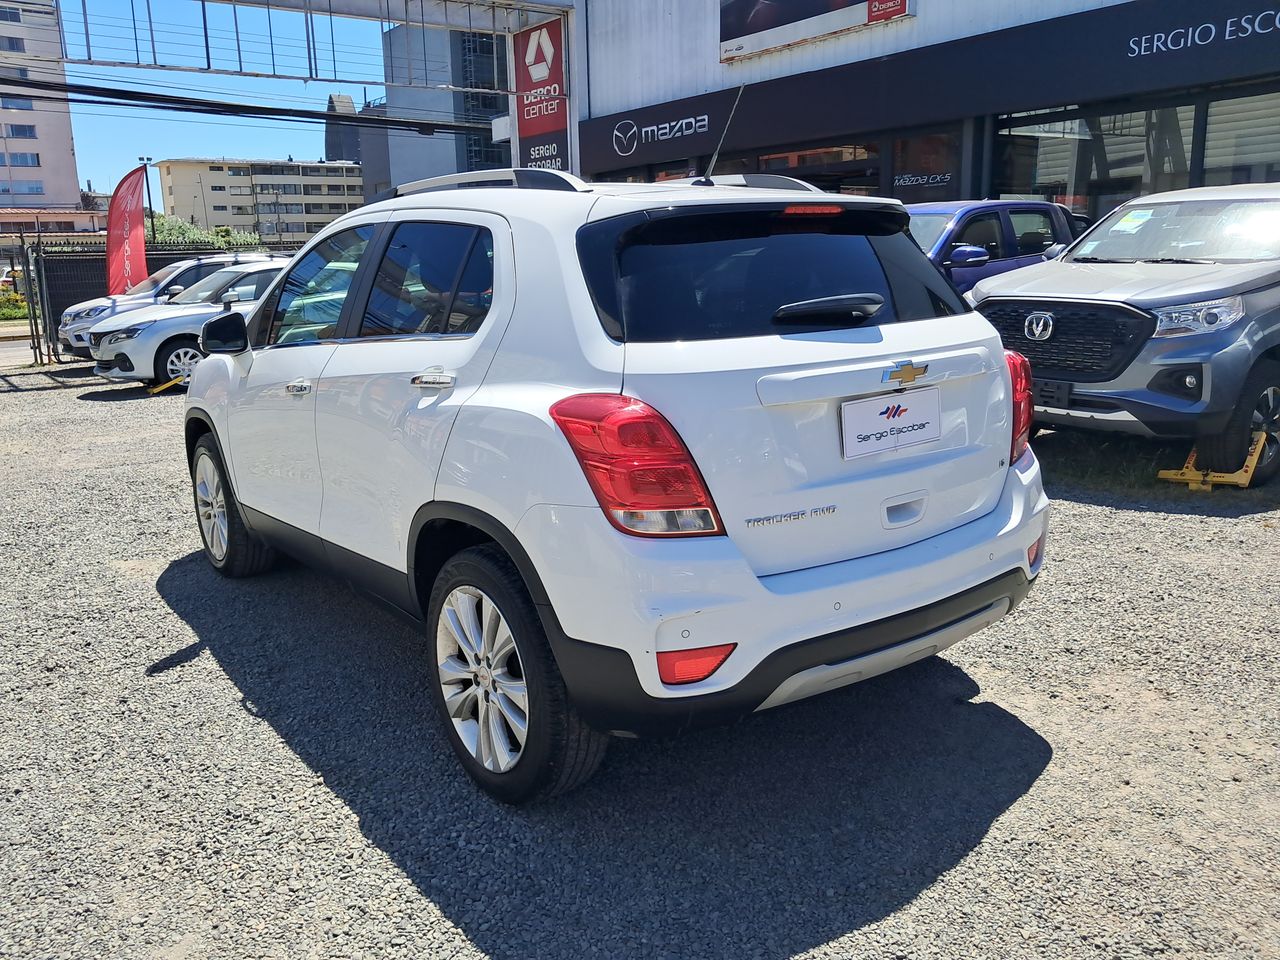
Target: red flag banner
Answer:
pixel 126 234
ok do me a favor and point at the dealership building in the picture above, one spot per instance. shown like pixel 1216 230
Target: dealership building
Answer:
pixel 1086 102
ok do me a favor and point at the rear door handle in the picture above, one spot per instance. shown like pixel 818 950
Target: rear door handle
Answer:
pixel 298 387
pixel 434 377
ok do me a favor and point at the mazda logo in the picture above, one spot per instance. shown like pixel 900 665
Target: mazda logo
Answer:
pixel 1039 326
pixel 626 137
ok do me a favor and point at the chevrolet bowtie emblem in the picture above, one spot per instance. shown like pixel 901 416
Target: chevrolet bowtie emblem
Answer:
pixel 904 373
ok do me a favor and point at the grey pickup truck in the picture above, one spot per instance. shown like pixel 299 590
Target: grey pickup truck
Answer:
pixel 1162 320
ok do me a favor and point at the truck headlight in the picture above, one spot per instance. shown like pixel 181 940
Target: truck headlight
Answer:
pixel 128 333
pixel 1203 317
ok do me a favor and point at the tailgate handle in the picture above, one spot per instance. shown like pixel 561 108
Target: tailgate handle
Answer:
pixel 904 510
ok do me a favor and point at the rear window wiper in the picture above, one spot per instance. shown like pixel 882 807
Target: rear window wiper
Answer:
pixel 862 306
pixel 1175 260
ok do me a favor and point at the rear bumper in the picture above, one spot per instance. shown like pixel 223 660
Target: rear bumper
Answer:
pixel 624 599
pixel 606 691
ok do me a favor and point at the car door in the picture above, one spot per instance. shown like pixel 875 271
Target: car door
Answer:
pixel 1032 231
pixel 432 317
pixel 271 407
pixel 984 230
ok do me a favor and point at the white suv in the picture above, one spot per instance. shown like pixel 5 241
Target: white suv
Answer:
pixel 641 458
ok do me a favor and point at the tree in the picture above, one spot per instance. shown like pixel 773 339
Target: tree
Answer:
pixel 88 201
pixel 172 230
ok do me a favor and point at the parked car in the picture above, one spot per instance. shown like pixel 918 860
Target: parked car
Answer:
pixel 1163 320
pixel 161 342
pixel 73 330
pixel 640 458
pixel 11 280
pixel 973 239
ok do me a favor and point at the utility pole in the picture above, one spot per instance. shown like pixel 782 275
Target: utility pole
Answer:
pixel 204 200
pixel 146 162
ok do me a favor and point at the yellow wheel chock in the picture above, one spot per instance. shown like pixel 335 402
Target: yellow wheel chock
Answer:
pixel 161 387
pixel 1197 479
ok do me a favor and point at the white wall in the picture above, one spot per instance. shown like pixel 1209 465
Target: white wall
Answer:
pixel 651 51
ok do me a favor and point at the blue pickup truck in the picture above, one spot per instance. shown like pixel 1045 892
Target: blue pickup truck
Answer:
pixel 975 239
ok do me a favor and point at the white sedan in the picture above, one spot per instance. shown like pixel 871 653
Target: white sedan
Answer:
pixel 162 342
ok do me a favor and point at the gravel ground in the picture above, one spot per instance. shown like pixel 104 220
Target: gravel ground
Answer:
pixel 194 767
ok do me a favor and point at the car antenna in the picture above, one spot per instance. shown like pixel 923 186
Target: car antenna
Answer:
pixel 705 179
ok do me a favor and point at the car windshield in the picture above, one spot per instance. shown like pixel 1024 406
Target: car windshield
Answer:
pixel 154 281
pixel 210 288
pixel 926 228
pixel 1209 231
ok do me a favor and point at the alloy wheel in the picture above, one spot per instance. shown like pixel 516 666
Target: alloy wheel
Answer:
pixel 182 362
pixel 482 679
pixel 211 506
pixel 1266 418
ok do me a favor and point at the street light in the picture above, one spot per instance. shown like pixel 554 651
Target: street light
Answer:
pixel 146 161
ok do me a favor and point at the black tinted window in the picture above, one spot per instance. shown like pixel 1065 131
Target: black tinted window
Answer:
pixel 705 276
pixel 422 268
pixel 312 296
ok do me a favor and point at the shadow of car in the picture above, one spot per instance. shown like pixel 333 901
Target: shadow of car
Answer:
pixel 765 839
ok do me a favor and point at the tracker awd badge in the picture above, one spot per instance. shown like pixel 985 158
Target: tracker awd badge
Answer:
pixel 904 373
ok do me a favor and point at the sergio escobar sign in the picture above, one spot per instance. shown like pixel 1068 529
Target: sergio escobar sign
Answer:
pixel 1206 34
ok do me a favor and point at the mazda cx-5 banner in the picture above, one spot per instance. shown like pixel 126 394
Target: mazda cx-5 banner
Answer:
pixel 126 234
pixel 748 27
pixel 542 105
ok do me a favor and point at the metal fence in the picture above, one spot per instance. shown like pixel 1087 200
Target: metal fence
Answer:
pixel 66 273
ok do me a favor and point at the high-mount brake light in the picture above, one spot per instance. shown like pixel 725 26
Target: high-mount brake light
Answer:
pixel 1023 403
pixel 813 210
pixel 689 666
pixel 638 467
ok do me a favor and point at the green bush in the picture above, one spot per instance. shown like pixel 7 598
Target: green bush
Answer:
pixel 12 306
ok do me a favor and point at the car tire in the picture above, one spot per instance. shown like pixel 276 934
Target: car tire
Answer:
pixel 476 684
pixel 228 545
pixel 1258 409
pixel 175 352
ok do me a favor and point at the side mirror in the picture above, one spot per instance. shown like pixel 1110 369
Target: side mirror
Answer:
pixel 969 256
pixel 225 333
pixel 1054 252
pixel 173 291
pixel 228 299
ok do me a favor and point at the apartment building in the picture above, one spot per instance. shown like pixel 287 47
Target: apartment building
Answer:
pixel 273 198
pixel 37 153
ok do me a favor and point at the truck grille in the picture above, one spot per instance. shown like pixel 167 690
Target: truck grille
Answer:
pixel 1090 342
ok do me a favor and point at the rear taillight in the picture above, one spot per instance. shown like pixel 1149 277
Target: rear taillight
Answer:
pixel 690 666
pixel 638 467
pixel 1023 405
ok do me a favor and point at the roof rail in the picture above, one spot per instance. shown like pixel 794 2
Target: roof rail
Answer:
pixel 524 178
pixel 756 181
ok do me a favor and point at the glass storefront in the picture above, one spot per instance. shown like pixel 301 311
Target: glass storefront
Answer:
pixel 1093 162
pixel 842 168
pixel 1242 143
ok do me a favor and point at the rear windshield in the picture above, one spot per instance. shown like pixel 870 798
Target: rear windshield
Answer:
pixel 725 274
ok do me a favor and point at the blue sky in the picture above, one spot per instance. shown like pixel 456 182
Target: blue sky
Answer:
pixel 109 140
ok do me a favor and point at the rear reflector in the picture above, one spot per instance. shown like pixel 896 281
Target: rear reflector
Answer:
pixel 1033 552
pixel 813 210
pixel 689 666
pixel 1023 405
pixel 638 467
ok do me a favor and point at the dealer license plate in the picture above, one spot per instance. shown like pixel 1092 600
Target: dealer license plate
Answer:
pixel 890 423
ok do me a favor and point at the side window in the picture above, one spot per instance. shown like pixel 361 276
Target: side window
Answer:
pixel 1033 230
pixel 261 282
pixel 983 230
pixel 434 278
pixel 311 298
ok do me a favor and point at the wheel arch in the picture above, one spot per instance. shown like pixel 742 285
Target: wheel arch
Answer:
pixel 167 342
pixel 440 529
